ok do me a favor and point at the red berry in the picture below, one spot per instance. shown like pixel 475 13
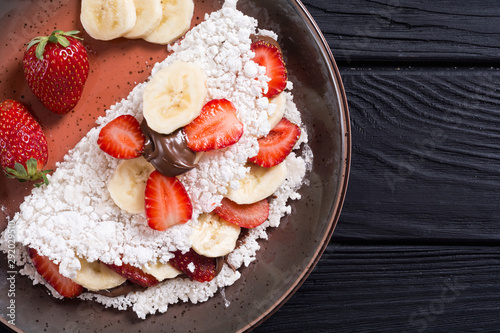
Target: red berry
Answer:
pixel 246 216
pixel 122 138
pixel 194 265
pixel 134 274
pixel 215 128
pixel 56 69
pixel 50 272
pixel 270 56
pixel 23 147
pixel 167 202
pixel 275 147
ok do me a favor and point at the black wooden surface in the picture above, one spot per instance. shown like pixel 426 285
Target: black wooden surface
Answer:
pixel 416 247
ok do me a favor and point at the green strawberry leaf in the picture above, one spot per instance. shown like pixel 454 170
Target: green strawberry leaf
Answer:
pixel 73 33
pixel 57 36
pixel 53 38
pixel 40 48
pixel 63 40
pixel 31 165
pixel 29 173
pixel 34 41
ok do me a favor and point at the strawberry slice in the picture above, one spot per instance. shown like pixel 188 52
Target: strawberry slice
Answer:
pixel 194 265
pixel 167 202
pixel 275 147
pixel 122 138
pixel 246 216
pixel 134 274
pixel 215 128
pixel 50 272
pixel 270 56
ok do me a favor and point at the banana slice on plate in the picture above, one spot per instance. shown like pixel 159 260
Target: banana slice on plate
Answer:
pixel 161 271
pixel 213 236
pixel 279 112
pixel 96 276
pixel 258 184
pixel 175 21
pixel 149 14
pixel 174 96
pixel 128 184
pixel 107 19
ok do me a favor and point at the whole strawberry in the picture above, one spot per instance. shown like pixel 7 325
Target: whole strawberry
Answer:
pixel 23 147
pixel 56 68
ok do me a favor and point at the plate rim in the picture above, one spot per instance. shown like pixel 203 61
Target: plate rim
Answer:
pixel 344 174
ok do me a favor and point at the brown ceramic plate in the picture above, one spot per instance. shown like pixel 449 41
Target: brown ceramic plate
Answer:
pixel 293 249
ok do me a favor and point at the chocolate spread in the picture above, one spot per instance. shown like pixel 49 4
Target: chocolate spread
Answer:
pixel 168 153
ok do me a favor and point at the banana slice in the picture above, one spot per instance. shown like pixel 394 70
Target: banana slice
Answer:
pixel 128 184
pixel 258 184
pixel 213 236
pixel 108 19
pixel 149 14
pixel 279 112
pixel 174 96
pixel 96 276
pixel 176 20
pixel 162 271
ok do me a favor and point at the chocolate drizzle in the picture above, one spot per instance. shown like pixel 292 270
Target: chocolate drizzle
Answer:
pixel 168 153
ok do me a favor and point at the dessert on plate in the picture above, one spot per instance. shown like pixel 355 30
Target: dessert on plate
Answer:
pixel 169 194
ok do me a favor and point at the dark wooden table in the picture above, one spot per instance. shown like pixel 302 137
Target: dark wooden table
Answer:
pixel 416 247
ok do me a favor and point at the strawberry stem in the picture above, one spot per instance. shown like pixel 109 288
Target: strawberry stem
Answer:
pixel 57 36
pixel 30 172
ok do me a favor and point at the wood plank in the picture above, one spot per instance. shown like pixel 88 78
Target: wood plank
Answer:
pixel 425 156
pixel 396 289
pixel 404 30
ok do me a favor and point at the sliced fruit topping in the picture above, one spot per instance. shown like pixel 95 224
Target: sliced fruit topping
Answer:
pixel 134 274
pixel 23 146
pixel 162 271
pixel 123 289
pixel 56 68
pixel 216 127
pixel 175 21
pixel 128 184
pixel 258 184
pixel 149 14
pixel 279 112
pixel 167 202
pixel 174 96
pixel 277 145
pixel 97 276
pixel 50 272
pixel 122 138
pixel 107 19
pixel 269 56
pixel 194 265
pixel 213 236
pixel 246 216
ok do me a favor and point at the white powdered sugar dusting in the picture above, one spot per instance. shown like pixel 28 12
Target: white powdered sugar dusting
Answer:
pixel 76 217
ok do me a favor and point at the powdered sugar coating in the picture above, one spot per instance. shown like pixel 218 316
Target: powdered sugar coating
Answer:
pixel 75 215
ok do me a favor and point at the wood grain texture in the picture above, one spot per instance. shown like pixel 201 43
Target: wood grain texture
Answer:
pixel 420 225
pixel 396 289
pixel 406 30
pixel 425 162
